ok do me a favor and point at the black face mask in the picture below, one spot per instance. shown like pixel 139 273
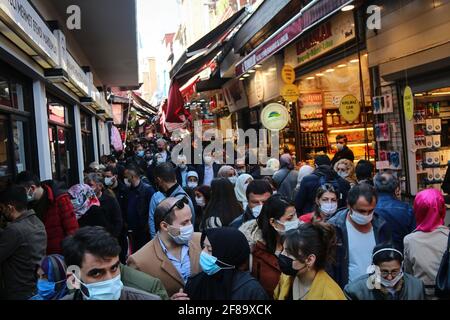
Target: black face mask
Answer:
pixel 160 149
pixel 285 264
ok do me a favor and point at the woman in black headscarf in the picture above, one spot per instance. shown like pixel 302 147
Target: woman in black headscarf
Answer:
pixel 225 254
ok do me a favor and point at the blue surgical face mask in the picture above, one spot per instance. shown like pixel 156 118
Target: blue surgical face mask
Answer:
pixel 46 289
pixel 105 290
pixel 141 153
pixel 209 266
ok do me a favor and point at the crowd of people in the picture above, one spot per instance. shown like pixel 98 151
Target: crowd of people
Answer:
pixel 145 226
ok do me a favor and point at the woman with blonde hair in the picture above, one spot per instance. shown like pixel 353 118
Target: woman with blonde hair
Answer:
pixel 346 169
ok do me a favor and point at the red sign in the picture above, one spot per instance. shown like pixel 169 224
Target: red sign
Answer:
pixel 292 30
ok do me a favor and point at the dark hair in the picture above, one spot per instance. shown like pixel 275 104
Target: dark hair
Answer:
pixel 275 207
pixel 361 190
pixel 258 186
pixel 322 159
pixel 364 170
pixel 96 177
pixel 387 255
pixel 341 136
pixel 111 169
pixel 94 240
pixel 386 182
pixel 15 196
pixel 273 183
pixel 135 171
pixel 162 214
pixel 165 171
pixel 205 191
pixel 223 203
pixel 27 179
pixel 137 146
pixel 316 238
pixel 111 158
pixel 321 190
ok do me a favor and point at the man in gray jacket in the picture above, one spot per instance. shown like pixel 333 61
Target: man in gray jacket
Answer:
pixel 22 246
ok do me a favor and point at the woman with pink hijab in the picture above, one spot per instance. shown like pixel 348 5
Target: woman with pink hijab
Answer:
pixel 425 247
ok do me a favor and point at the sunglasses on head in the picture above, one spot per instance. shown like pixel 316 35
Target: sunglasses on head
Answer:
pixel 179 204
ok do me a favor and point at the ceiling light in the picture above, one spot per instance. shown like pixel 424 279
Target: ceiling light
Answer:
pixel 257 66
pixel 252 71
pixel 310 78
pixel 319 74
pixel 330 70
pixel 246 75
pixel 354 60
pixel 241 78
pixel 348 8
pixel 342 65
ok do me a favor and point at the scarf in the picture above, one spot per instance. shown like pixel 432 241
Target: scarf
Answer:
pixel 83 198
pixel 429 209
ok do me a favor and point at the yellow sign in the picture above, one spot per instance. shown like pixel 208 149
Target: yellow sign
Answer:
pixel 289 92
pixel 288 74
pixel 350 108
pixel 408 103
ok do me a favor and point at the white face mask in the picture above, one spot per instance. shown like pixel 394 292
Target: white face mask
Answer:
pixel 361 219
pixel 288 225
pixel 391 283
pixel 233 179
pixel 185 235
pixel 109 181
pixel 343 174
pixel 192 184
pixel 328 208
pixel 256 211
pixel 340 146
pixel 200 202
pixel 127 182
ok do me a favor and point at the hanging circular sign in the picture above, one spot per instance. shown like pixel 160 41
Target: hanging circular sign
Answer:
pixel 289 92
pixel 259 85
pixel 274 117
pixel 408 103
pixel 350 108
pixel 288 74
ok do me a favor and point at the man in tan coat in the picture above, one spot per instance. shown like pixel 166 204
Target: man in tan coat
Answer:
pixel 173 254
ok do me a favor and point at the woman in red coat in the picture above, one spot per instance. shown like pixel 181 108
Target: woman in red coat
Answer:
pixel 325 207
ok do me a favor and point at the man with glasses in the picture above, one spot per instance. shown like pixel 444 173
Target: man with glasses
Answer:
pixel 173 254
pixel 358 229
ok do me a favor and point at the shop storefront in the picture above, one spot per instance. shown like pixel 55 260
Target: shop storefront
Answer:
pixel 411 72
pixel 16 124
pixel 333 81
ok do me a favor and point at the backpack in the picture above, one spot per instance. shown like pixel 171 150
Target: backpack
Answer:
pixel 323 179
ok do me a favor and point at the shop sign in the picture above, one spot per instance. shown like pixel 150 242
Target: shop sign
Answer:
pixel 302 22
pixel 311 99
pixel 77 76
pixel 350 108
pixel 275 117
pixel 288 74
pixel 259 85
pixel 408 103
pixel 21 17
pixel 289 92
pixel 321 40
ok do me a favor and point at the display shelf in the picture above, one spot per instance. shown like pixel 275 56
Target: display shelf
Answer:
pixel 316 131
pixel 311 119
pixel 310 147
pixel 419 122
pixel 350 127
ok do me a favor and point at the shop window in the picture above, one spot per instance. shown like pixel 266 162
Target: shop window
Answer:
pixel 5 97
pixel 57 113
pixel 19 130
pixel 87 138
pixel 5 169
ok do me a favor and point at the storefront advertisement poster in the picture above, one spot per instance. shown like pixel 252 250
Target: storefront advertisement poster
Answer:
pixel 350 108
pixel 289 92
pixel 321 40
pixel 288 74
pixel 235 96
pixel 408 103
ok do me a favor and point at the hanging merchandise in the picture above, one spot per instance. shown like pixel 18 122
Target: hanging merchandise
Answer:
pixel 116 139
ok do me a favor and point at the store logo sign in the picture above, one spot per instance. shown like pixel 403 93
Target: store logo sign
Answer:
pixel 275 117
pixel 374 20
pixel 74 19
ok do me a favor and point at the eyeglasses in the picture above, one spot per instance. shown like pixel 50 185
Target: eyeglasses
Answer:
pixel 179 204
pixel 394 273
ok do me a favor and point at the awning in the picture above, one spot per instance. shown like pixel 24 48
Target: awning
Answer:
pixel 311 15
pixel 144 104
pixel 198 55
